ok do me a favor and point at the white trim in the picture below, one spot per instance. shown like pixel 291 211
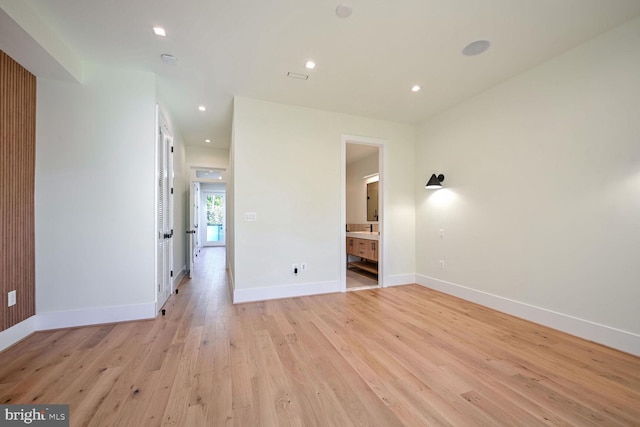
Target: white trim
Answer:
pixel 400 279
pixel 17 332
pixel 94 316
pixel 284 291
pixel 156 197
pixel 602 334
pixel 178 278
pixel 207 166
pixel 230 282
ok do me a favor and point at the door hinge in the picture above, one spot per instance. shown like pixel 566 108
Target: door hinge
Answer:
pixel 171 190
pixel 171 273
pixel 172 148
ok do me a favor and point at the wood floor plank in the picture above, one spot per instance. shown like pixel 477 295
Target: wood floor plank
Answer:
pixel 175 412
pixel 406 355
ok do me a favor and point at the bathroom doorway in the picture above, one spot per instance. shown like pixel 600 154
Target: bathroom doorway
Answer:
pixel 362 212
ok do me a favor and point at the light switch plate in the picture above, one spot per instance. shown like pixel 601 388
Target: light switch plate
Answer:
pixel 250 216
pixel 11 298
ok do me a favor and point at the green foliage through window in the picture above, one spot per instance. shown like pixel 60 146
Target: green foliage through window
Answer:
pixel 214 209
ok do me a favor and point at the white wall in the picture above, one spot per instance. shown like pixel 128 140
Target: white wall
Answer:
pixel 207 157
pixel 542 199
pixel 356 191
pixel 287 169
pixel 200 155
pixel 95 193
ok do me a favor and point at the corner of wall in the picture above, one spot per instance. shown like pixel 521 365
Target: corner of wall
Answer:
pixel 17 332
pixel 602 334
pixel 94 316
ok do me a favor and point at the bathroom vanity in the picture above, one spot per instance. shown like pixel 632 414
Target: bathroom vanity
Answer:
pixel 364 245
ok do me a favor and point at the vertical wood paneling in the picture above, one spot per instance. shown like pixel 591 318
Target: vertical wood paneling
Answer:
pixel 17 175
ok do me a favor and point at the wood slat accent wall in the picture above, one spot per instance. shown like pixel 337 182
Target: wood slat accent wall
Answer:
pixel 17 176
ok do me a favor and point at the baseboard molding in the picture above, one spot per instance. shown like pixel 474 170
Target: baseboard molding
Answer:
pixel 399 279
pixel 606 335
pixel 17 332
pixel 284 291
pixel 94 316
pixel 230 283
pixel 181 274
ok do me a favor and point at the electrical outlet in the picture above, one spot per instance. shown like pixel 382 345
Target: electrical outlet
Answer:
pixel 294 268
pixel 442 233
pixel 442 264
pixel 303 266
pixel 11 298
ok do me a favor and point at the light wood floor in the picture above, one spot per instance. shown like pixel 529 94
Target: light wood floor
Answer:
pixel 385 357
pixel 357 279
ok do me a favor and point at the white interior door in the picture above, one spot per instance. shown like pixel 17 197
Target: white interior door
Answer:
pixel 164 220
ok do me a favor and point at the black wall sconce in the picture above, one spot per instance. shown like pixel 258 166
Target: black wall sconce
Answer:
pixel 435 182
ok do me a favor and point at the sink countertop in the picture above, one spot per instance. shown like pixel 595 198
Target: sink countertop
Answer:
pixel 364 235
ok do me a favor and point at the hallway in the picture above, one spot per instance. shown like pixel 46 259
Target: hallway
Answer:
pixel 405 355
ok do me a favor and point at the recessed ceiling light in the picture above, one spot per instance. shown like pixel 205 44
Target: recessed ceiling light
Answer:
pixel 415 88
pixel 168 59
pixel 310 65
pixel 476 47
pixel 344 11
pixel 159 31
pixel 202 108
pixel 207 141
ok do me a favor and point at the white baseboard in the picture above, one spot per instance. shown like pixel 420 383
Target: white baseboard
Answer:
pixel 230 282
pixel 399 279
pixel 606 335
pixel 284 291
pixel 178 278
pixel 12 335
pixel 93 316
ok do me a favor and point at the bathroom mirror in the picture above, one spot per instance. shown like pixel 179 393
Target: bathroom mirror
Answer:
pixel 372 201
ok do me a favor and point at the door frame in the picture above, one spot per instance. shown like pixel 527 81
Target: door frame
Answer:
pixel 382 252
pixel 194 220
pixel 163 254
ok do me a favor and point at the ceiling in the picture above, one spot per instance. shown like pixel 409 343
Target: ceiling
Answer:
pixel 366 64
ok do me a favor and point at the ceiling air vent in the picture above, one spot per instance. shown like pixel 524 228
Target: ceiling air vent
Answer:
pixel 297 76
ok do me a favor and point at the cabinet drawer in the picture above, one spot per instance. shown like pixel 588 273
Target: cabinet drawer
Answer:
pixel 363 248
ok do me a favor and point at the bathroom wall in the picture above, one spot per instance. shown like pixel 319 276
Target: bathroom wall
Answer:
pixel 356 188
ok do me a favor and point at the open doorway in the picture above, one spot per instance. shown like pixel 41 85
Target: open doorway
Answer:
pixel 362 260
pixel 207 211
pixel 213 207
